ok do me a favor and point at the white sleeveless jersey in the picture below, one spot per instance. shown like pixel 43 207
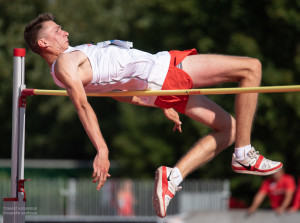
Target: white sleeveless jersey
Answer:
pixel 118 68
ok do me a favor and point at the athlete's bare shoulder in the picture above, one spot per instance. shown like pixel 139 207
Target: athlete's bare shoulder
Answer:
pixel 75 62
pixel 77 57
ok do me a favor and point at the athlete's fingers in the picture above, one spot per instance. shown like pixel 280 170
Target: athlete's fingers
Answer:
pixel 99 185
pixel 104 176
pixel 178 127
pixel 96 177
pixel 177 121
pixel 102 179
pixel 99 176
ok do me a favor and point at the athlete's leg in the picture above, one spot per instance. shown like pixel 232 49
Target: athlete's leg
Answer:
pixel 207 70
pixel 203 110
pixel 207 112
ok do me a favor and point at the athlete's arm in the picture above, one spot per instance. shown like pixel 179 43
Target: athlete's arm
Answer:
pixel 66 69
pixel 170 113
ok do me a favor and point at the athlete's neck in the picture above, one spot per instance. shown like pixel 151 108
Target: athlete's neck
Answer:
pixel 50 57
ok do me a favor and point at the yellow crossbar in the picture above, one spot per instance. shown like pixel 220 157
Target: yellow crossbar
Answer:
pixel 205 91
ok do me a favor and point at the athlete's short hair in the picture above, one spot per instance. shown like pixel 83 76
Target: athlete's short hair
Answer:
pixel 32 30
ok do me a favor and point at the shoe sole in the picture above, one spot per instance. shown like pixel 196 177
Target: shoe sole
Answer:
pixel 258 172
pixel 157 199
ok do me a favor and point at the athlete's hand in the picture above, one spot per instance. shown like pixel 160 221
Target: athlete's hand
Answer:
pixel 101 166
pixel 172 115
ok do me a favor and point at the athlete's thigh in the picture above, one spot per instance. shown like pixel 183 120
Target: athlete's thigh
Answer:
pixel 211 69
pixel 204 110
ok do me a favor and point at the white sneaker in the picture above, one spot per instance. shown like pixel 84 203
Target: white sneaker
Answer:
pixel 255 164
pixel 164 190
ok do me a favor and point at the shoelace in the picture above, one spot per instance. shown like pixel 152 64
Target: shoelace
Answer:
pixel 255 154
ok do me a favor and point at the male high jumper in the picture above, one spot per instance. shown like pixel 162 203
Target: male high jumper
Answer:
pixel 108 67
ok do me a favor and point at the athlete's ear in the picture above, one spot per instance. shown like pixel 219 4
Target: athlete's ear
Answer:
pixel 42 43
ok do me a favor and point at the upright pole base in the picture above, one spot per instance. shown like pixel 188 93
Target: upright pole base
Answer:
pixel 14 210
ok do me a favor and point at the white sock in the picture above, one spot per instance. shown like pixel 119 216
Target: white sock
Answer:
pixel 241 152
pixel 176 175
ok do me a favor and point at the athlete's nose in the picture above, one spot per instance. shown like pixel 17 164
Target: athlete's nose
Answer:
pixel 65 33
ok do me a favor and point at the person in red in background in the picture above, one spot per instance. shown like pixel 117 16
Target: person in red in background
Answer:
pixel 126 199
pixel 296 202
pixel 280 188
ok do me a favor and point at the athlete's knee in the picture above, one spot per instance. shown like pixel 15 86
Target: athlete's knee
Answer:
pixel 253 71
pixel 231 131
pixel 256 69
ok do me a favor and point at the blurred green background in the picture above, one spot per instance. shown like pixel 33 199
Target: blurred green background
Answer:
pixel 141 139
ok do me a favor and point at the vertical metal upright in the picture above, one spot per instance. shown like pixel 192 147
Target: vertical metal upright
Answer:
pixel 14 207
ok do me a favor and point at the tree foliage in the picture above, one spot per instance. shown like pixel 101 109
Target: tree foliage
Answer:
pixel 141 139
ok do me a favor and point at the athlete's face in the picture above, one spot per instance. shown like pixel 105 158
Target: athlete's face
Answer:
pixel 53 37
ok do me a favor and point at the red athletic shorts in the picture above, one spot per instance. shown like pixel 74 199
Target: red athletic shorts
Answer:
pixel 176 79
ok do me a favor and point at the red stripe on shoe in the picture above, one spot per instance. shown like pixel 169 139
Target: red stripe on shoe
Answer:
pixel 258 162
pixel 169 193
pixel 164 184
